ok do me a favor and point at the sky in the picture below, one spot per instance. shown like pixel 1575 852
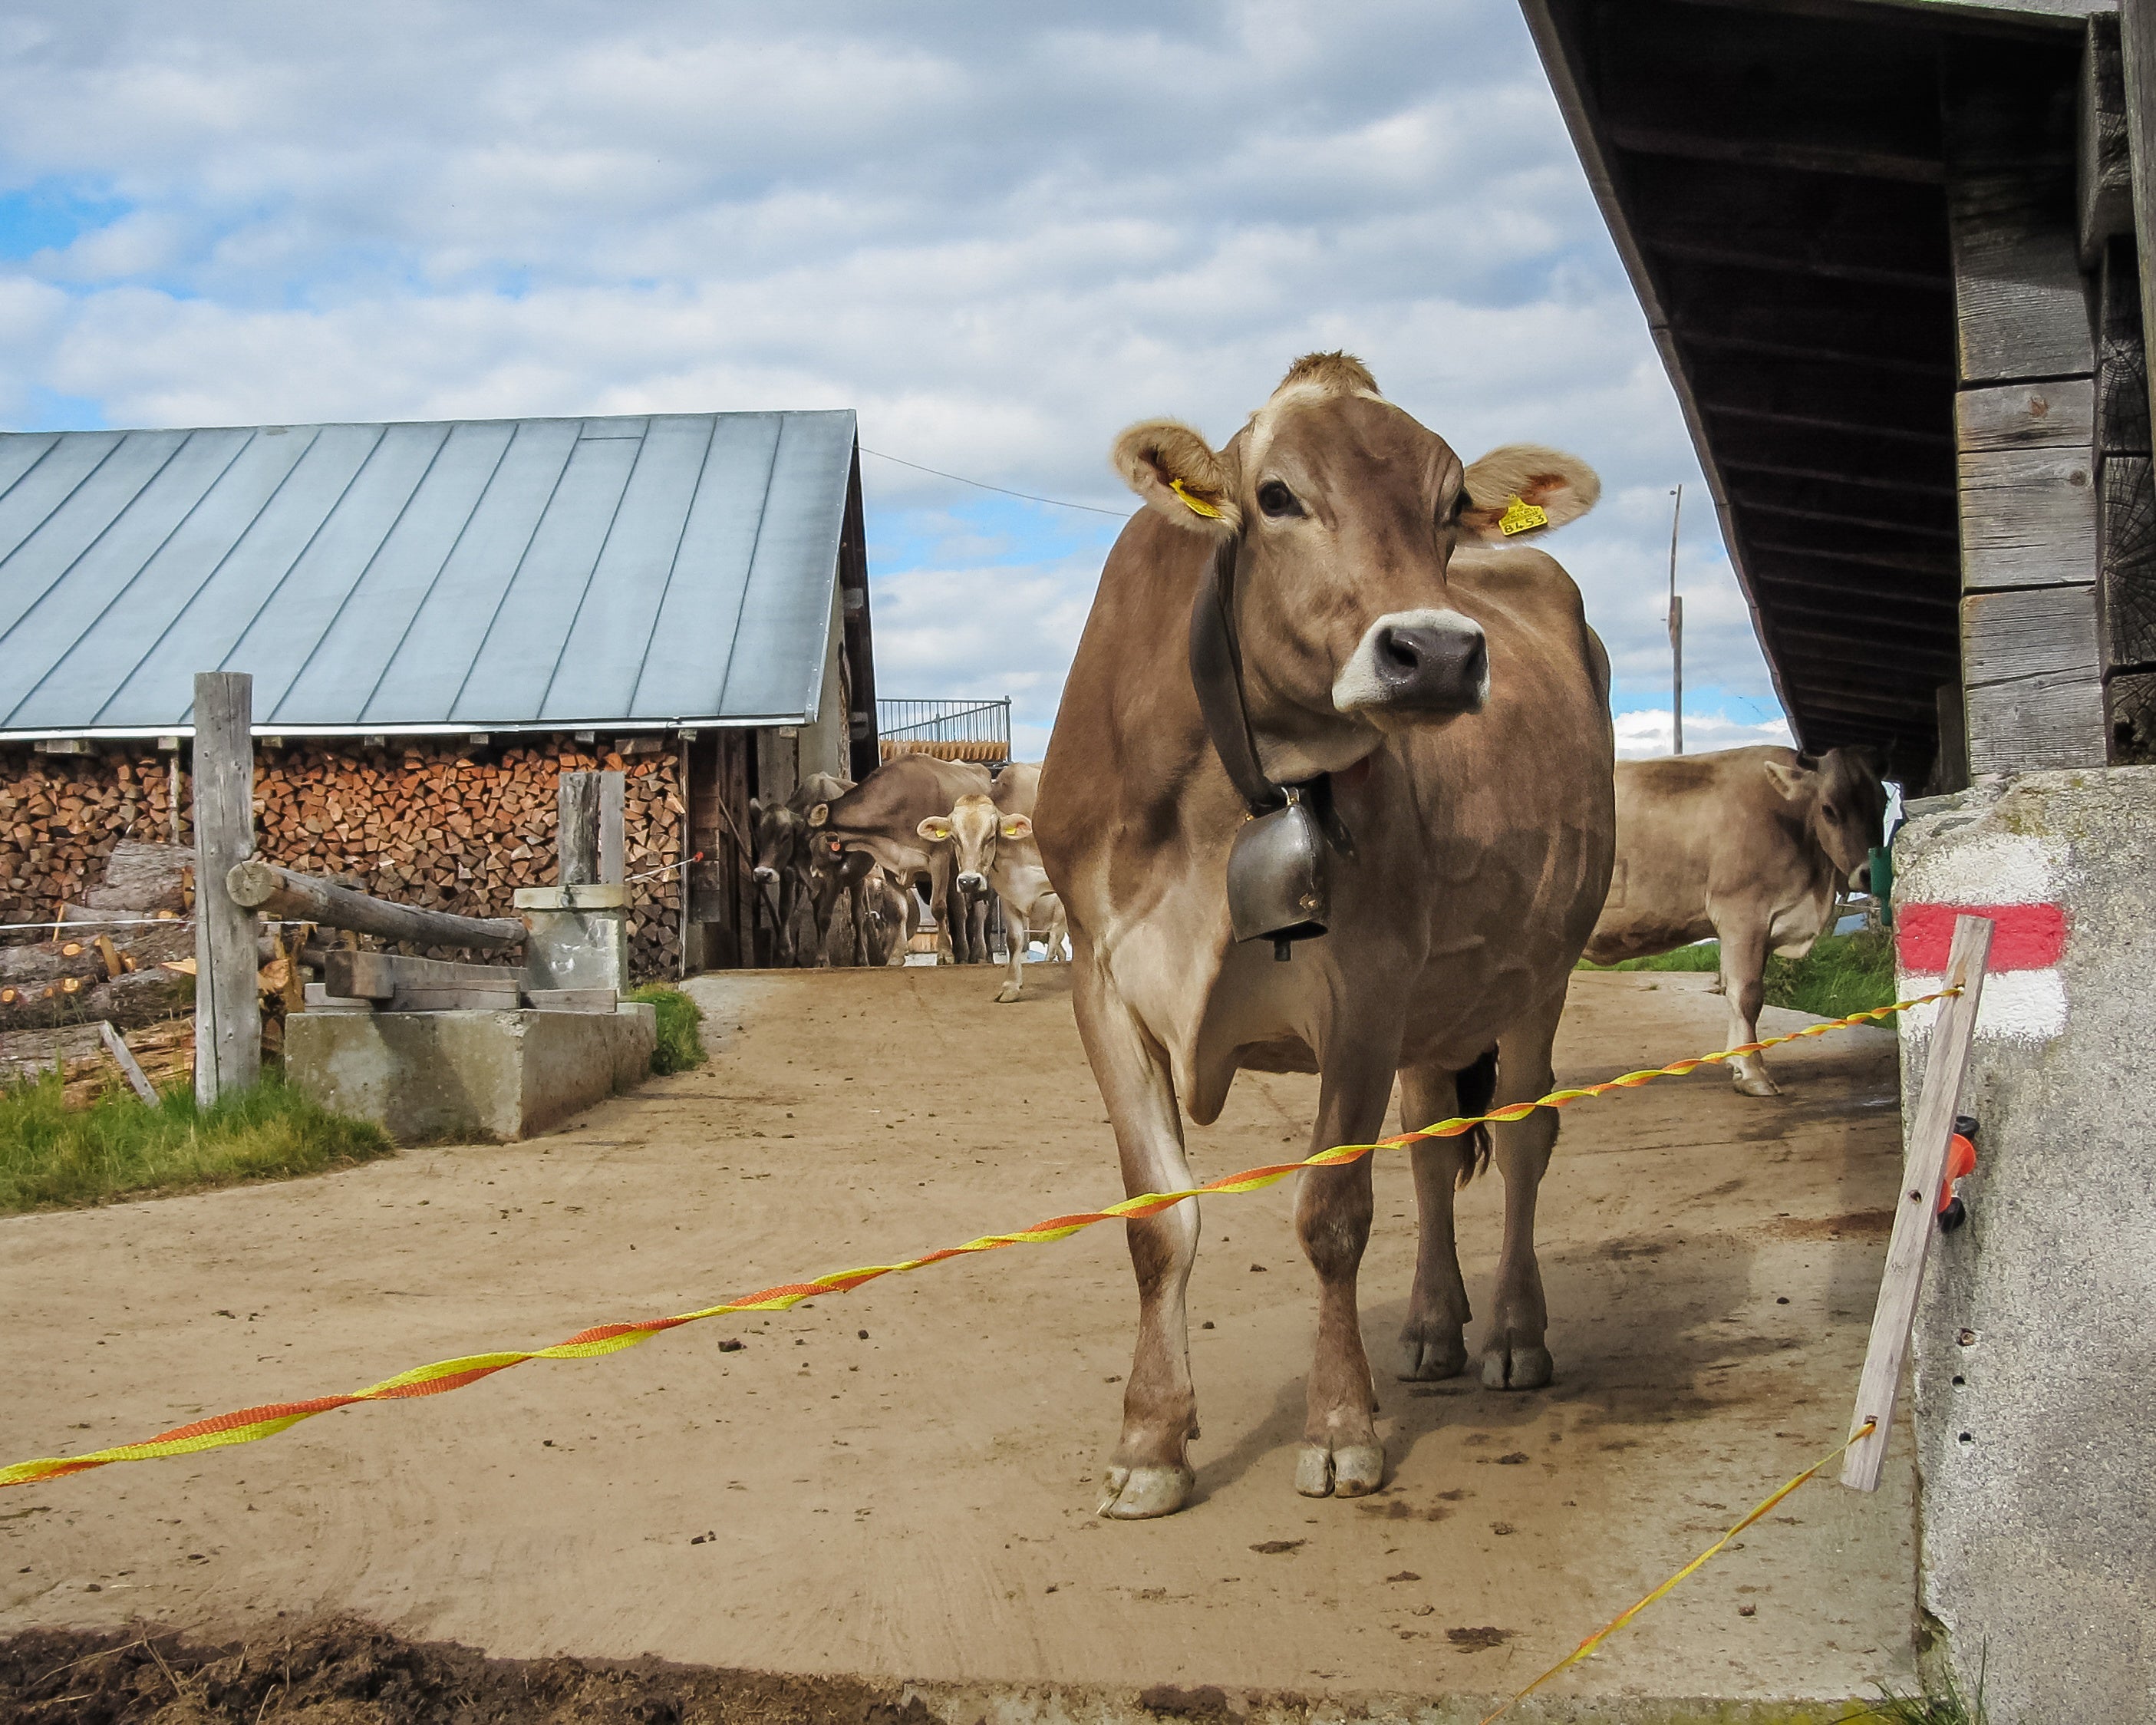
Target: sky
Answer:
pixel 999 236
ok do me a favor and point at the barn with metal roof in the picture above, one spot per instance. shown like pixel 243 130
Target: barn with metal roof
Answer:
pixel 689 583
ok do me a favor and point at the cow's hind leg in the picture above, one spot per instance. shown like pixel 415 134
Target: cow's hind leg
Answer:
pixel 1433 1337
pixel 1149 1473
pixel 1341 1454
pixel 1744 989
pixel 1516 1355
pixel 1014 935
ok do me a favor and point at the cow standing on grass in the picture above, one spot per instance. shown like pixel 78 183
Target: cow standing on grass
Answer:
pixel 991 846
pixel 1450 703
pixel 1751 847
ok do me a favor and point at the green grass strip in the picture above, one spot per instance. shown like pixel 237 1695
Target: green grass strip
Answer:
pixel 680 1045
pixel 1842 974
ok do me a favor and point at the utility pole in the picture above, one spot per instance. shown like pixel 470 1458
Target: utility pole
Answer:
pixel 1677 634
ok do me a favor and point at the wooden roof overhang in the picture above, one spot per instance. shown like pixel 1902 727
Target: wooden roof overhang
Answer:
pixel 1774 173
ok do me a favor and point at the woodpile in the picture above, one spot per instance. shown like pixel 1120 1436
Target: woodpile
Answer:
pixel 165 1051
pixel 444 824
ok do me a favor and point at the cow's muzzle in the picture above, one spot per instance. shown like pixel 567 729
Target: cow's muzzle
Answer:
pixel 765 876
pixel 971 881
pixel 1434 662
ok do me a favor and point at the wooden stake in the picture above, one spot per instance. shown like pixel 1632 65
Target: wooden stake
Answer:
pixel 1924 1172
pixel 116 1046
pixel 576 830
pixel 227 1012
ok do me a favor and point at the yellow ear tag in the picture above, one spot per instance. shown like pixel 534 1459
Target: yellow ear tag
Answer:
pixel 1520 516
pixel 1196 506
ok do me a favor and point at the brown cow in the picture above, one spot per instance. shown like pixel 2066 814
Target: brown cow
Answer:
pixel 781 871
pixel 1751 847
pixel 1450 704
pixel 991 846
pixel 881 816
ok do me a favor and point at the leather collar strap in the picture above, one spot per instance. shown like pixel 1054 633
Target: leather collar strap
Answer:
pixel 1216 672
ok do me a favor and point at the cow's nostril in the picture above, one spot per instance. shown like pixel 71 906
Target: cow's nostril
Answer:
pixel 1396 647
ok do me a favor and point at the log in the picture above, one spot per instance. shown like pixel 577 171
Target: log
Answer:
pixel 299 898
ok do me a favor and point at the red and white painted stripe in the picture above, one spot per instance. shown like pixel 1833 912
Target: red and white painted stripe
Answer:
pixel 2017 883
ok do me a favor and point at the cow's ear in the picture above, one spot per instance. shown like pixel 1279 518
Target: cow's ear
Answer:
pixel 1793 782
pixel 755 808
pixel 1524 490
pixel 820 814
pixel 935 829
pixel 1181 476
pixel 1017 826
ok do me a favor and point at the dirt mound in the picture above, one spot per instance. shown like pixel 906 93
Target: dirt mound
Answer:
pixel 343 1671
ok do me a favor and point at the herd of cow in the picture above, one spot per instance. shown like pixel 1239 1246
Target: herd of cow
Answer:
pixel 1328 688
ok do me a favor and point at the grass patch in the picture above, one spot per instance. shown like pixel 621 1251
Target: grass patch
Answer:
pixel 1941 1703
pixel 680 1045
pixel 1842 974
pixel 53 1157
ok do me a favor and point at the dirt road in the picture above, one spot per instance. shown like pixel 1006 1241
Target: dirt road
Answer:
pixel 918 1501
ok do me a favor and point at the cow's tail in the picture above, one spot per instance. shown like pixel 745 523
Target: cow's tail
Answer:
pixel 1476 1087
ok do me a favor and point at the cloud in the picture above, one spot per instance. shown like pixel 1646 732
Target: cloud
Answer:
pixel 1000 235
pixel 1645 732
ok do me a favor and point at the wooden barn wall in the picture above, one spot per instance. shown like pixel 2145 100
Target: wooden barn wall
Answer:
pixel 438 824
pixel 722 778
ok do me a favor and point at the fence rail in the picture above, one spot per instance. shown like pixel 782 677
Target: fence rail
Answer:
pixel 956 730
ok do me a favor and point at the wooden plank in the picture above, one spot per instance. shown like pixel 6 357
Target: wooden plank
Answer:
pixel 2122 366
pixel 130 1068
pixel 2020 307
pixel 455 1000
pixel 576 830
pixel 2103 163
pixel 227 1010
pixel 2028 505
pixel 302 898
pixel 2137 44
pixel 2034 696
pixel 383 976
pixel 1950 763
pixel 1924 1172
pixel 613 848
pixel 2126 593
pixel 2030 632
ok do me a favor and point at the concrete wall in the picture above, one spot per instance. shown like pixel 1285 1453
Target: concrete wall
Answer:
pixel 2037 1337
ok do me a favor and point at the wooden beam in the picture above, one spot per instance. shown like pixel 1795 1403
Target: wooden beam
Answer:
pixel 2028 501
pixel 2126 593
pixel 1793 393
pixel 1819 159
pixel 300 898
pixel 228 1008
pixel 1916 1214
pixel 397 980
pixel 1927 566
pixel 2104 166
pixel 1890 468
pixel 2122 359
pixel 2137 44
pixel 2034 694
pixel 1916 515
pixel 1843 359
pixel 576 830
pixel 2130 710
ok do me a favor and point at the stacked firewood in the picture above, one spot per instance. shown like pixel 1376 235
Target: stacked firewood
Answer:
pixel 438 824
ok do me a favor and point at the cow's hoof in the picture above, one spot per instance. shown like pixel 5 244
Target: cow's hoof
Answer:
pixel 1758 1083
pixel 1353 1470
pixel 1137 1494
pixel 1432 1357
pixel 1007 994
pixel 1515 1367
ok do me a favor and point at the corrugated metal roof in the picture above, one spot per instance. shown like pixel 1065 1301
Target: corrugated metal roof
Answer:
pixel 469 575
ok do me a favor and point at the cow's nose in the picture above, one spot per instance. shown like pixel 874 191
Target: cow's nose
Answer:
pixel 1434 667
pixel 971 881
pixel 1861 879
pixel 765 875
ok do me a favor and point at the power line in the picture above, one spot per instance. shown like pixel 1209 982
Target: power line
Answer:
pixel 983 485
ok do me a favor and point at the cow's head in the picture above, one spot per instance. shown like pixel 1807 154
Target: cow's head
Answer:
pixel 1348 512
pixel 780 834
pixel 1843 805
pixel 974 828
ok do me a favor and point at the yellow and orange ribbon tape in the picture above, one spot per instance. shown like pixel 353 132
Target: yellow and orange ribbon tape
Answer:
pixel 247 1424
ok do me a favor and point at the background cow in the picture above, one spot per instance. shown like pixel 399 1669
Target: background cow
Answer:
pixel 881 817
pixel 1751 847
pixel 782 872
pixel 992 849
pixel 1452 704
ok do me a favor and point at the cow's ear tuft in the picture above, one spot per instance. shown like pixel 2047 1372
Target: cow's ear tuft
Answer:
pixel 820 814
pixel 1017 826
pixel 936 828
pixel 1523 491
pixel 1180 474
pixel 1793 782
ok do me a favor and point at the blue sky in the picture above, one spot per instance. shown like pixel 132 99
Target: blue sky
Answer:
pixel 999 237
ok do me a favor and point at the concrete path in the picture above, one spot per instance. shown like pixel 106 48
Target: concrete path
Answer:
pixel 917 1502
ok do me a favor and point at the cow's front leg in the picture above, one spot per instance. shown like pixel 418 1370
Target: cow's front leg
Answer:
pixel 1433 1336
pixel 789 889
pixel 857 915
pixel 940 896
pixel 1015 936
pixel 1149 1473
pixel 1516 1355
pixel 1341 1453
pixel 1744 989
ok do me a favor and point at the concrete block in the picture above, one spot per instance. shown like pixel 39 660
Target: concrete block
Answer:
pixel 2033 1340
pixel 468 1075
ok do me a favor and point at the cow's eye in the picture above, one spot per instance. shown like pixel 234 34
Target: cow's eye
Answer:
pixel 1277 500
pixel 1832 812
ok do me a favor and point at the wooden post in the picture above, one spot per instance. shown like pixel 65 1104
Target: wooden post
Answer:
pixel 577 836
pixel 613 849
pixel 227 1010
pixel 1924 1172
pixel 2136 43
